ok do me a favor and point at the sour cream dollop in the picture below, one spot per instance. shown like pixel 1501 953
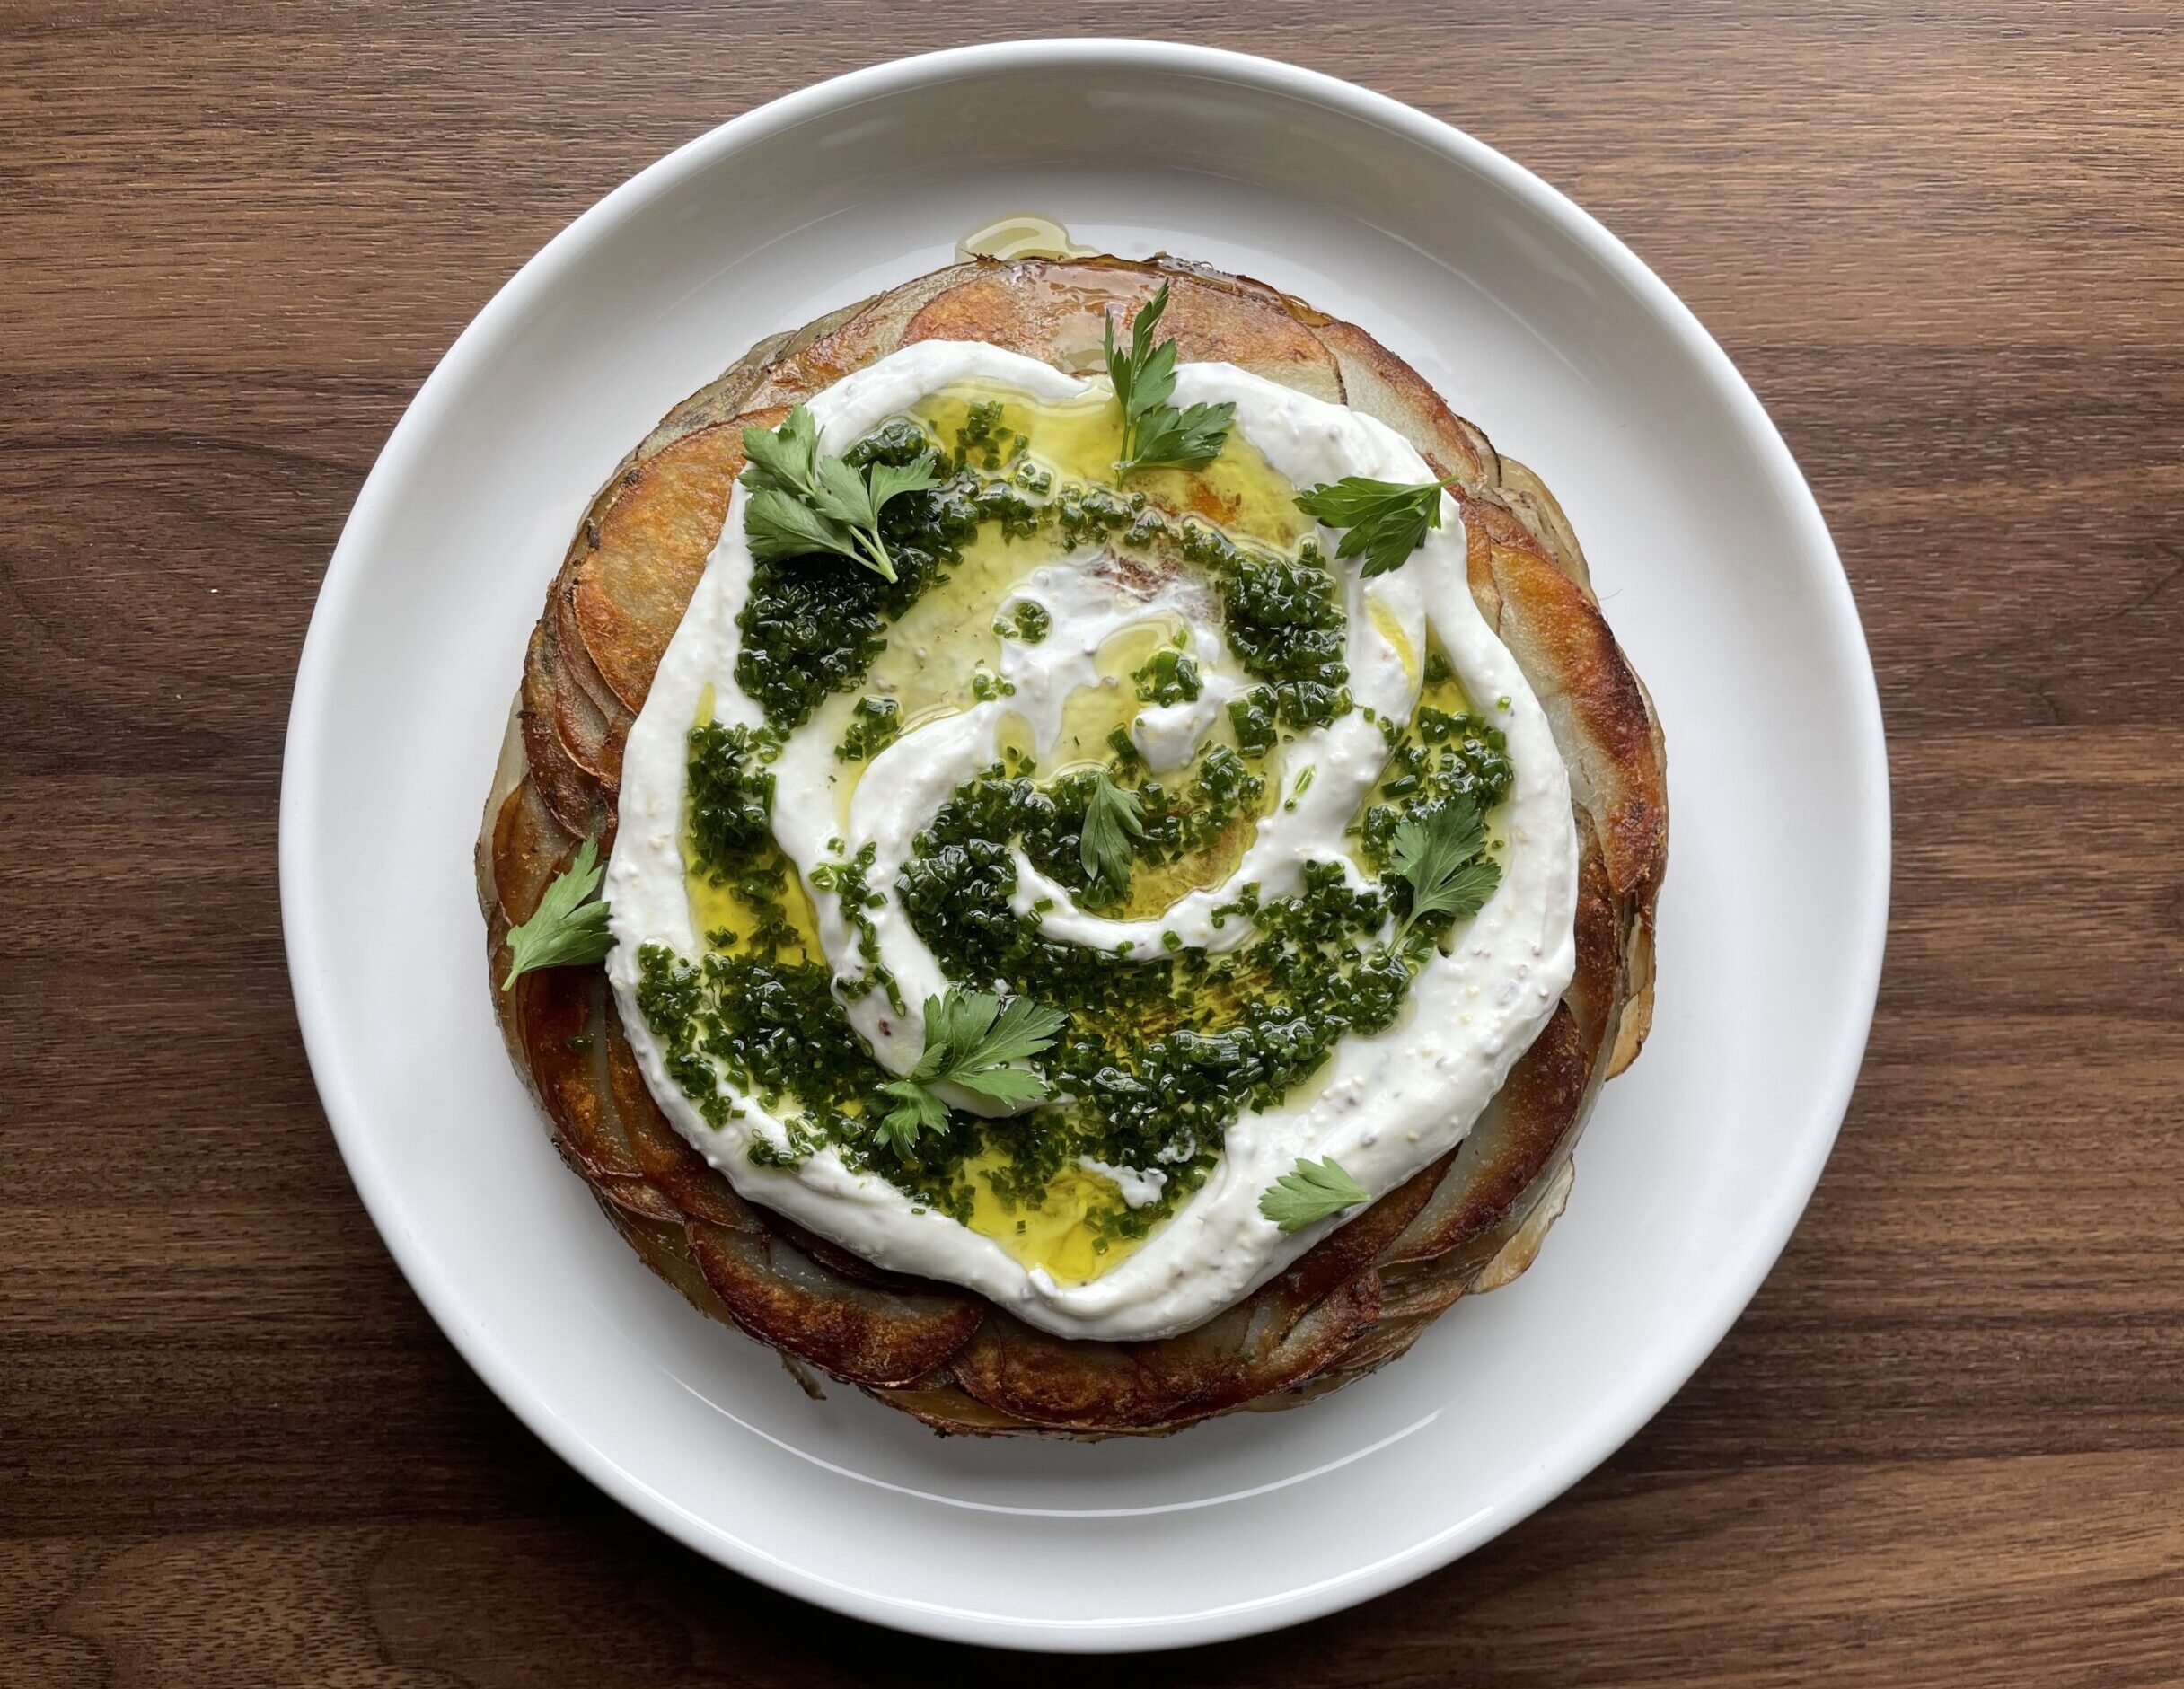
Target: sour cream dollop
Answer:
pixel 1392 1103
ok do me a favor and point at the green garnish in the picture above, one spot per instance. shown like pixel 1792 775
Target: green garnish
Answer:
pixel 1115 816
pixel 874 725
pixel 800 500
pixel 1169 676
pixel 1034 622
pixel 1155 433
pixel 1311 1193
pixel 1387 521
pixel 1440 854
pixel 970 1039
pixel 568 925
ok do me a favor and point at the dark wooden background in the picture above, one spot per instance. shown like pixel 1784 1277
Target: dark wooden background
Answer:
pixel 1946 1444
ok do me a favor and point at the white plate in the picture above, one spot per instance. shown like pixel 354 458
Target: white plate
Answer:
pixel 1716 571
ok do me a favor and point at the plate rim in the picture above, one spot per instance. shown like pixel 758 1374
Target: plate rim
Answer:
pixel 346 577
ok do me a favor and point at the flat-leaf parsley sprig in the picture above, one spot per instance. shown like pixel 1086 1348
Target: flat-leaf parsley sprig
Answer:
pixel 1155 433
pixel 1384 521
pixel 1115 816
pixel 570 925
pixel 971 1040
pixel 1442 856
pixel 800 500
pixel 1310 1193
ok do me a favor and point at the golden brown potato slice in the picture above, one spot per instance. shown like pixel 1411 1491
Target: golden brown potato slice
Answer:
pixel 857 1332
pixel 1603 721
pixel 580 801
pixel 631 586
pixel 1056 311
pixel 1264 1343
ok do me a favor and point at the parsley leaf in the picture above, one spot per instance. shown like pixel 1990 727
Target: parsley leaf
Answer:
pixel 1311 1193
pixel 1113 818
pixel 784 456
pixel 800 500
pixel 1441 855
pixel 971 1040
pixel 1186 437
pixel 916 1110
pixel 1155 433
pixel 887 479
pixel 565 928
pixel 1387 520
pixel 780 526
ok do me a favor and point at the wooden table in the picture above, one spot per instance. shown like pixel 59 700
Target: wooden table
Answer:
pixel 1946 1444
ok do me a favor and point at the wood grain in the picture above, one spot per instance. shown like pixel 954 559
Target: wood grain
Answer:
pixel 1946 1444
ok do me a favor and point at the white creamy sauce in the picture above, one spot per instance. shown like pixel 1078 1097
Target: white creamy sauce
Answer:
pixel 1139 1185
pixel 1391 1104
